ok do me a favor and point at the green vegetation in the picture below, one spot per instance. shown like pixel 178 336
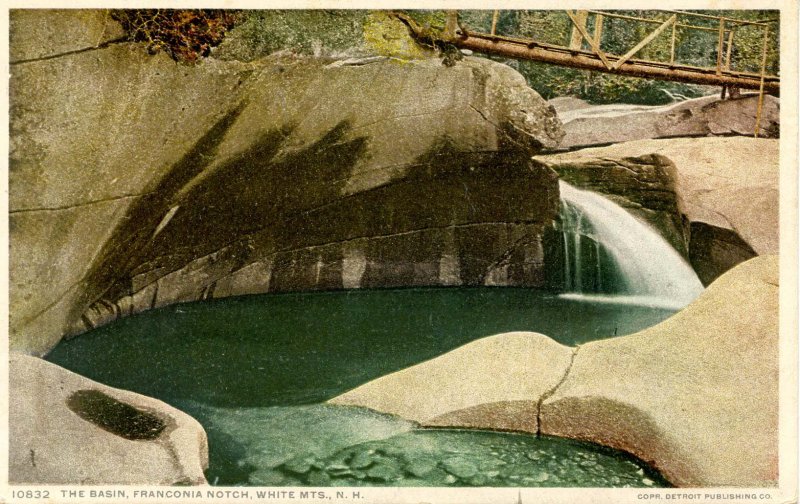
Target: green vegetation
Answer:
pixel 389 37
pixel 326 33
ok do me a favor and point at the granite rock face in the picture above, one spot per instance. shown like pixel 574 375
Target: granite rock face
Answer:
pixel 492 383
pixel 67 429
pixel 716 199
pixel 49 33
pixel 707 116
pixel 136 183
pixel 696 396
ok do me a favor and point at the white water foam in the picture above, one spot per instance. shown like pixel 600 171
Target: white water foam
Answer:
pixel 654 272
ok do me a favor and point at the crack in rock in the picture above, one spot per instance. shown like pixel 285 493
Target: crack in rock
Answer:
pixel 121 40
pixel 553 390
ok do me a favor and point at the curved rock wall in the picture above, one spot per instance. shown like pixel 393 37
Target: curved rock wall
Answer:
pixel 683 394
pixel 136 182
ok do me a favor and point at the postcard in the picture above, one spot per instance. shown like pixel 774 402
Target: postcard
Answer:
pixel 426 253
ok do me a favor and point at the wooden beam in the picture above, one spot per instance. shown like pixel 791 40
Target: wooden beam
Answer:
pixel 579 20
pixel 598 29
pixel 588 61
pixel 644 63
pixel 729 50
pixel 638 47
pixel 761 86
pixel 719 45
pixel 595 48
pixel 652 21
pixel 721 18
pixel 672 45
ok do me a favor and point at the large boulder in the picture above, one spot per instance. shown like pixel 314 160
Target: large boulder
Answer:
pixel 706 116
pixel 696 396
pixel 136 182
pixel 717 198
pixel 492 383
pixel 66 429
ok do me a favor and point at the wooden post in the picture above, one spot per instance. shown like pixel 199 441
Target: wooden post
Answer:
pixel 727 63
pixel 672 46
pixel 582 30
pixel 728 52
pixel 761 87
pixel 579 20
pixel 719 45
pixel 495 18
pixel 598 29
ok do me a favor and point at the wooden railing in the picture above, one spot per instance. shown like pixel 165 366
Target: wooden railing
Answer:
pixel 573 54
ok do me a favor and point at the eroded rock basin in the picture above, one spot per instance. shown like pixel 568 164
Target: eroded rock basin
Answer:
pixel 253 369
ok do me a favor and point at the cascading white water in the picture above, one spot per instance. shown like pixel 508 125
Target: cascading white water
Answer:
pixel 652 272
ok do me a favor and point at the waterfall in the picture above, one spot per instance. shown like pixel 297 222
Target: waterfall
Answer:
pixel 609 255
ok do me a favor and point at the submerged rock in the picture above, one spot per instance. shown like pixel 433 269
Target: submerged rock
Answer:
pixel 178 183
pixel 420 467
pixel 67 429
pixel 384 472
pixel 459 467
pixel 299 465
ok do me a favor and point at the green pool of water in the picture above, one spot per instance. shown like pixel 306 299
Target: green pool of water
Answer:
pixel 253 369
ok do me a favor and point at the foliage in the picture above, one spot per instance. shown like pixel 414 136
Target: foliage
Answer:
pixel 552 81
pixel 185 35
pixel 389 37
pixel 309 32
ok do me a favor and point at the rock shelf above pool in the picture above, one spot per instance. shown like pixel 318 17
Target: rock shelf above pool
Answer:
pixel 492 383
pixel 696 396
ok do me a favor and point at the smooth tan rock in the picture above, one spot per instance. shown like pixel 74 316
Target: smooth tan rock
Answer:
pixel 696 396
pixel 51 444
pixel 491 383
pixel 43 33
pixel 726 188
pixel 616 123
pixel 91 134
